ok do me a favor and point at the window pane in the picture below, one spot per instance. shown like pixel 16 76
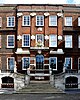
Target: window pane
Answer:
pixel 25 63
pixel 40 40
pixel 11 63
pixel 79 41
pixel 52 20
pixel 53 62
pixel 68 41
pixel 68 21
pixel 11 41
pixel 26 40
pixel 53 41
pixel 68 63
pixel 39 20
pixel 26 20
pixel 78 21
pixel 11 21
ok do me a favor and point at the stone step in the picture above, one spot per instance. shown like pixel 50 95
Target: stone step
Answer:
pixel 39 88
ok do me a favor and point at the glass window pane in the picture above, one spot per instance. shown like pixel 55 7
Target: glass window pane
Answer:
pixel 25 63
pixel 53 41
pixel 68 63
pixel 40 20
pixel 53 63
pixel 11 41
pixel 52 20
pixel 11 63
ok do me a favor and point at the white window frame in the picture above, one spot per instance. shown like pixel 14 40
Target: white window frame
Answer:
pixel 68 41
pixel 0 21
pixel 11 21
pixel 68 21
pixel 7 62
pixel 42 38
pixel 23 62
pixel 51 40
pixel 56 62
pixel 23 40
pixel 7 41
pixel 52 20
pixel 78 63
pixel 79 41
pixel 78 21
pixel 39 20
pixel 71 61
pixel 23 24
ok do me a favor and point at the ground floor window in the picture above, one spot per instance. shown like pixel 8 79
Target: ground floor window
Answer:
pixel 53 63
pixel 7 82
pixel 68 63
pixel 10 63
pixel 71 82
pixel 25 62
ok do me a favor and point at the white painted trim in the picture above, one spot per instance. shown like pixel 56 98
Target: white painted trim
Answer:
pixel 23 40
pixel 7 41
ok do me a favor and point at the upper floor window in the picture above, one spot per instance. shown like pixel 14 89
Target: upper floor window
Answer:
pixel 52 20
pixel 10 41
pixel 39 20
pixel 11 21
pixel 25 62
pixel 53 63
pixel 68 21
pixel 68 63
pixel 53 41
pixel 26 21
pixel 10 63
pixel 25 40
pixel 39 40
pixel 0 21
pixel 68 41
pixel 79 41
pixel 78 21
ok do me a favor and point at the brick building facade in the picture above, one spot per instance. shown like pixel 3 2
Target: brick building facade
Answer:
pixel 40 42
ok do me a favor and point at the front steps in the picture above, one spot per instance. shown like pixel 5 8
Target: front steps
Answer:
pixel 39 87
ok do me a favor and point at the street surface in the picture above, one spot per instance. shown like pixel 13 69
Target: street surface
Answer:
pixel 40 96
